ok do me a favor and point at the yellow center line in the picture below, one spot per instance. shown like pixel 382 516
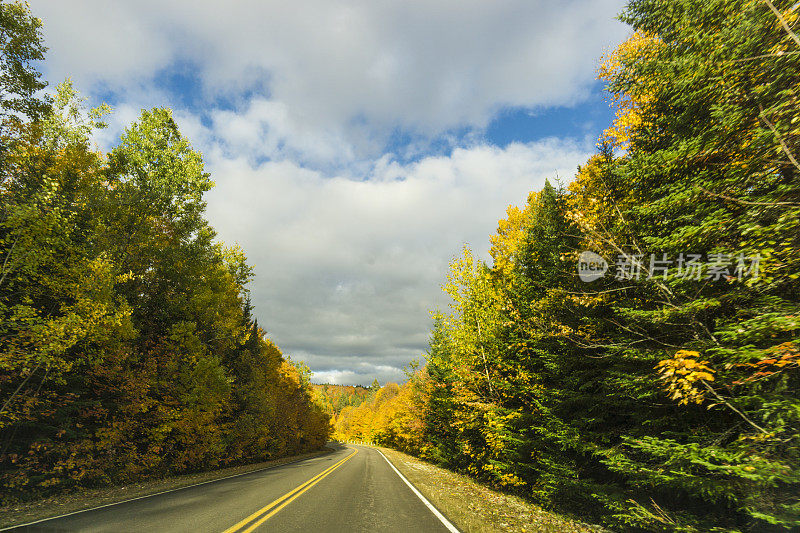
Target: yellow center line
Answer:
pixel 288 497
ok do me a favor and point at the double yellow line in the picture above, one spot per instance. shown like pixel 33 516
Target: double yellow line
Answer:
pixel 283 501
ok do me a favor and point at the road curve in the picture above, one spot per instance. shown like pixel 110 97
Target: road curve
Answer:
pixel 352 489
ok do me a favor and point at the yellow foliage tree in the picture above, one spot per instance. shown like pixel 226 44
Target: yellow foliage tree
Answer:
pixel 638 47
pixel 682 373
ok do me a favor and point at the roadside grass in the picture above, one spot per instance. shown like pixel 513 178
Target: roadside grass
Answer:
pixel 475 508
pixel 30 511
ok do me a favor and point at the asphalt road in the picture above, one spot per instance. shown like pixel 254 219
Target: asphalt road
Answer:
pixel 352 489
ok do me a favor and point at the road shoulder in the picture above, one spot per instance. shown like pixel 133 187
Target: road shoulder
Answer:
pixel 473 507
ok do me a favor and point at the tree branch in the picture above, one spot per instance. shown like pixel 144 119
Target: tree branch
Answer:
pixel 783 21
pixel 745 202
pixel 732 408
pixel 8 256
pixel 778 136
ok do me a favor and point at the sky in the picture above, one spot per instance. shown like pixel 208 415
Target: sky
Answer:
pixel 356 146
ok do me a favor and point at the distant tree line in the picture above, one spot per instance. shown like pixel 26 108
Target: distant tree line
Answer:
pixel 334 398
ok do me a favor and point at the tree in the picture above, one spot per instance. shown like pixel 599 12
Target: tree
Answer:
pixel 128 346
pixel 657 400
pixel 20 45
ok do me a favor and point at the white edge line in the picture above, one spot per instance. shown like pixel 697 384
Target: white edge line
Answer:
pixel 9 528
pixel 429 505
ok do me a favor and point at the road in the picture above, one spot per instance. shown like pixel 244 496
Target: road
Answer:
pixel 352 489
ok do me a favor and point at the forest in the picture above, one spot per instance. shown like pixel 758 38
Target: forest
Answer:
pixel 333 398
pixel 129 349
pixel 628 352
pixel 662 396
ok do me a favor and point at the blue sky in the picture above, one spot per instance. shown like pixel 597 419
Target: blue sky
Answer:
pixel 356 146
pixel 589 117
pixel 180 86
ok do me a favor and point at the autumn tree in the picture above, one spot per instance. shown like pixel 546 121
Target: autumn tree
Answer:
pixel 128 345
pixel 658 399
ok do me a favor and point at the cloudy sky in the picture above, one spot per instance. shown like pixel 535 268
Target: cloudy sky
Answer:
pixel 356 145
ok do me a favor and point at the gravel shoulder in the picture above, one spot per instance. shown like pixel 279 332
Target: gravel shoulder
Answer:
pixel 475 508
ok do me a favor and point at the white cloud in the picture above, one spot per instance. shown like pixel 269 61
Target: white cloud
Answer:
pixel 361 374
pixel 266 128
pixel 343 75
pixel 347 268
pixel 293 105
